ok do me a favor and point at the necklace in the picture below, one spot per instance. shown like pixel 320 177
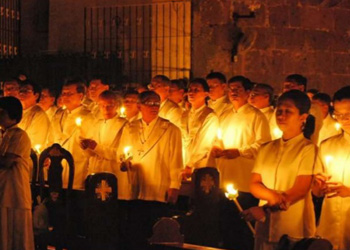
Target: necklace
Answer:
pixel 142 136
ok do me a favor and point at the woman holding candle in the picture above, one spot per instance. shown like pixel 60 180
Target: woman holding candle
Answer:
pixel 333 178
pixel 16 227
pixel 282 177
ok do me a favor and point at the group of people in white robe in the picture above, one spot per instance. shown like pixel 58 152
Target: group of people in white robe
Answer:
pixel 277 156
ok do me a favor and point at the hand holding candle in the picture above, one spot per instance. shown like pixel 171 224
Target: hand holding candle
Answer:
pixel 125 159
pixel 232 194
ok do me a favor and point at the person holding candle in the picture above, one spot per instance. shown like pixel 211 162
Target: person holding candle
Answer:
pixel 282 180
pixel 16 226
pixel 333 177
pixel 156 167
pixel 97 85
pixel 102 147
pixel 244 129
pixel 199 126
pixel 66 132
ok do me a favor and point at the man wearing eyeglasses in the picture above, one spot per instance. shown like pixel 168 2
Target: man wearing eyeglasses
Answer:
pixel 168 109
pixel 65 131
pixel 332 180
pixel 155 169
pixel 34 121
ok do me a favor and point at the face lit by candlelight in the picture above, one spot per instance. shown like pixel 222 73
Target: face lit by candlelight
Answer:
pixel 11 88
pixel 196 93
pixel 216 88
pixel 96 87
pixel 108 107
pixel 70 97
pixel 342 113
pixel 238 94
pixel 149 108
pixel 130 104
pixel 289 118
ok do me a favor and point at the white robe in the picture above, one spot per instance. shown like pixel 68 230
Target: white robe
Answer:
pixel 65 132
pixel 334 160
pixel 157 158
pixel 36 124
pixel 221 105
pixel 245 129
pixel 279 163
pixel 328 129
pixel 51 112
pixel 199 129
pixel 103 158
pixel 171 111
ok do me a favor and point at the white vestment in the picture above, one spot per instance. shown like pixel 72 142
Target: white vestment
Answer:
pixel 328 129
pixel 171 111
pixel 279 163
pixel 65 132
pixel 36 124
pixel 245 129
pixel 199 128
pixel 221 105
pixel 334 160
pixel 157 158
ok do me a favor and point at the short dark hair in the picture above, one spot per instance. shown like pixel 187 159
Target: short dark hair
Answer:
pixel 246 83
pixel 312 91
pixel 36 87
pixel 144 96
pixel 322 97
pixel 202 82
pixel 108 94
pixel 217 75
pixel 52 92
pixel 341 94
pixel 300 100
pixel 162 78
pixel 102 78
pixel 12 79
pixel 180 83
pixel 298 79
pixel 13 107
pixel 79 82
pixel 266 87
pixel 130 92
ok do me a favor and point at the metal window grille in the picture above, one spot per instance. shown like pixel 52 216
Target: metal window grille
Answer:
pixel 149 39
pixel 9 28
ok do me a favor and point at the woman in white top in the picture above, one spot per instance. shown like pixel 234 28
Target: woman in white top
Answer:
pixel 16 227
pixel 282 177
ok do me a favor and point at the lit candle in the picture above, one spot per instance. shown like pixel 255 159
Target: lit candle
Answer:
pixel 122 112
pixel 277 133
pixel 64 107
pixel 127 153
pixel 78 122
pixel 337 126
pixel 232 194
pixel 125 159
pixel 37 148
pixel 219 138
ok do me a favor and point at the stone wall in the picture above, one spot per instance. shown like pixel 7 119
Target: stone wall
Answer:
pixel 310 37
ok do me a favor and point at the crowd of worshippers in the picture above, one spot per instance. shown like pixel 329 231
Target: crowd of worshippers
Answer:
pixel 278 149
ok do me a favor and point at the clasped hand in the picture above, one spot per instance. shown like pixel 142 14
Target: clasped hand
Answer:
pixel 225 153
pixel 322 186
pixel 87 144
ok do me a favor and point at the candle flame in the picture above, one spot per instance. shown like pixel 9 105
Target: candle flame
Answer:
pixel 126 150
pixel 64 107
pixel 219 134
pixel 122 112
pixel 37 148
pixel 231 193
pixel 78 121
pixel 328 159
pixel 277 132
pixel 337 126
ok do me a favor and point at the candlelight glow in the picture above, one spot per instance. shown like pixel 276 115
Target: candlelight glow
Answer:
pixel 78 121
pixel 337 126
pixel 64 107
pixel 219 134
pixel 277 133
pixel 126 150
pixel 328 159
pixel 37 148
pixel 231 193
pixel 122 112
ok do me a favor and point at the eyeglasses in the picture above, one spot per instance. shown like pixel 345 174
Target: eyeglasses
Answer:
pixel 151 104
pixel 338 116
